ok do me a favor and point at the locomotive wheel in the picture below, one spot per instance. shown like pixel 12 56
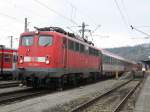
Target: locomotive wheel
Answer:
pixel 35 82
pixel 60 83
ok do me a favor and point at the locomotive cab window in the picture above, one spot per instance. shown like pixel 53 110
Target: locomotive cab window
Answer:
pixel 45 40
pixel 27 40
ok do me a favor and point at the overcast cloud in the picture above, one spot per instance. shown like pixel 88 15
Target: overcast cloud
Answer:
pixel 114 31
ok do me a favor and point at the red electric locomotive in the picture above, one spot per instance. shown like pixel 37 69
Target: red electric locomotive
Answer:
pixel 8 59
pixel 53 56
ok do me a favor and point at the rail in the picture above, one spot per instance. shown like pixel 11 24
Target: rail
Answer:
pixel 7 85
pixel 121 104
pixel 92 101
pixel 7 98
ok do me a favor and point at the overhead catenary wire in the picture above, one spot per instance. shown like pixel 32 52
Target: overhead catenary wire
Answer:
pixel 11 17
pixel 142 26
pixel 132 27
pixel 81 12
pixel 125 11
pixel 121 14
pixel 56 12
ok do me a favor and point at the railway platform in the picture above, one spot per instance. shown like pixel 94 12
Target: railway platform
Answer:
pixel 143 101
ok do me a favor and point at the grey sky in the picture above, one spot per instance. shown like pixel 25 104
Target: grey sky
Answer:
pixel 92 12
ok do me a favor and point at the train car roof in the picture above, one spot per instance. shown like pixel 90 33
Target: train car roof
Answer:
pixel 84 43
pixel 5 48
pixel 108 53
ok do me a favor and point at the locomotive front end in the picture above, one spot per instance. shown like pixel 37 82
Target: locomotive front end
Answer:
pixel 37 56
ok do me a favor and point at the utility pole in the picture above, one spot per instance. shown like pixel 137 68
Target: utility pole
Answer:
pixel 26 25
pixel 83 29
pixel 11 41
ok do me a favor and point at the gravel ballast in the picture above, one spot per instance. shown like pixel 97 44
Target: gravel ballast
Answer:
pixel 61 101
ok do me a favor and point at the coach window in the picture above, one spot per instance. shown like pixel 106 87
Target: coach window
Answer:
pixel 27 40
pixel 0 59
pixel 45 40
pixel 0 56
pixel 7 58
pixel 104 59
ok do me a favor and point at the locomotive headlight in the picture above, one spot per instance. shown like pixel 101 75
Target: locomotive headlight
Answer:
pixel 21 61
pixel 36 32
pixel 47 61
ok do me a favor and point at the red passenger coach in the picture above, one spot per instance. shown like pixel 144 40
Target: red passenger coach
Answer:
pixel 51 55
pixel 8 59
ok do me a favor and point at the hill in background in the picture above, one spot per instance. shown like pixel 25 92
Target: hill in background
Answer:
pixel 137 53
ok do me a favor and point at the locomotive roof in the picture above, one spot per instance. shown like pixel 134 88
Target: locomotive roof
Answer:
pixel 62 31
pixel 67 36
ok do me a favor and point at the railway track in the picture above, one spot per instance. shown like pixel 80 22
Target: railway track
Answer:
pixel 111 101
pixel 7 85
pixel 10 97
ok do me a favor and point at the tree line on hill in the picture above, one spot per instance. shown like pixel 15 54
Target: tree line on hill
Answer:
pixel 136 53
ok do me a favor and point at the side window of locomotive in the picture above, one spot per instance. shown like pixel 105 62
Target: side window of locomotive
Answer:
pixel 86 49
pixel 76 46
pixel 45 40
pixel 7 58
pixel 64 42
pixel 82 48
pixel 27 40
pixel 100 53
pixel 96 53
pixel 93 52
pixel 71 45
